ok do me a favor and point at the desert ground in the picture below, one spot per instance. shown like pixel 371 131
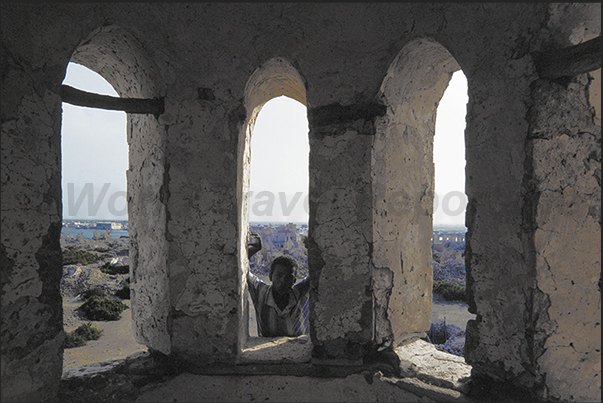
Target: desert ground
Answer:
pixel 117 340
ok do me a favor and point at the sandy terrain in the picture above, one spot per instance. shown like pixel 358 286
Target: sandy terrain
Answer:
pixel 455 313
pixel 117 340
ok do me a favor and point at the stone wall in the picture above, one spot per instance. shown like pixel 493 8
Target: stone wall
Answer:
pixel 499 273
pixel 566 155
pixel 371 76
pixel 565 141
pixel 32 315
pixel 340 231
pixel 403 182
pixel 119 57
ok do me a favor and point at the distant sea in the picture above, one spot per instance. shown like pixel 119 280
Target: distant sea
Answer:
pixel 89 233
pixel 454 228
pixel 275 224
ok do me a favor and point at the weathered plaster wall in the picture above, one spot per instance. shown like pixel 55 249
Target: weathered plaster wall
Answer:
pixel 114 53
pixel 566 158
pixel 31 263
pixel 358 387
pixel 32 314
pixel 499 274
pixel 512 287
pixel 147 198
pixel 403 185
pixel 186 173
pixel 203 270
pixel 340 231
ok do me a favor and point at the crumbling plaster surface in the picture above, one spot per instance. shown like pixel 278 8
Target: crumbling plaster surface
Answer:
pixel 573 23
pixel 594 95
pixel 567 172
pixel 341 304
pixel 532 316
pixel 499 273
pixel 272 372
pixel 403 186
pixel 244 155
pixel 366 387
pixel 202 259
pixel 147 184
pixel 30 255
pixel 31 263
pixel 119 57
pixel 422 360
pixel 202 67
pixel 114 53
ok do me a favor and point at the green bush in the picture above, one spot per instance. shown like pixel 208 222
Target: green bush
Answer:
pixel 435 257
pixel 94 292
pixel 79 336
pixel 113 269
pixel 123 293
pixel 72 340
pixel 88 332
pixel 103 308
pixel 72 255
pixel 450 291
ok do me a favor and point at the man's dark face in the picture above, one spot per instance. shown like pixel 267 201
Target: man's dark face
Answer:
pixel 282 279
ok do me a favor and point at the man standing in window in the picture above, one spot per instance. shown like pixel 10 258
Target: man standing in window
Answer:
pixel 281 308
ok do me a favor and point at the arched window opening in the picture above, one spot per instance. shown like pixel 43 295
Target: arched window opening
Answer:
pixel 117 55
pixel 405 197
pixel 274 191
pixel 278 195
pixel 95 234
pixel 449 313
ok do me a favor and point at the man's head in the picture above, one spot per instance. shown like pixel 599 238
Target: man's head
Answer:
pixel 283 271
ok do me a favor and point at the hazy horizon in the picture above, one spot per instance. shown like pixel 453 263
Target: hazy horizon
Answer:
pixel 435 226
pixel 94 154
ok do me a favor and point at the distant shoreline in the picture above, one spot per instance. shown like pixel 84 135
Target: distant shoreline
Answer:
pixel 436 227
pixel 89 232
pixel 449 228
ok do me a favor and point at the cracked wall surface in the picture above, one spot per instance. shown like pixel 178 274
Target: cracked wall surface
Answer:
pixel 148 182
pixel 567 170
pixel 31 262
pixel 499 274
pixel 370 127
pixel 403 185
pixel 118 56
pixel 520 303
pixel 31 256
pixel 340 232
pixel 202 230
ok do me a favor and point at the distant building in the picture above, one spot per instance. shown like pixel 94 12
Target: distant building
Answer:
pixel 444 237
pixel 103 225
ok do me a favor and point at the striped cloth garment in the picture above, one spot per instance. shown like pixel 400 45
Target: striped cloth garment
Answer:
pixel 271 321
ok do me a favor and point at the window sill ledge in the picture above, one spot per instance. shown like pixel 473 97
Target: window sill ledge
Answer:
pixel 277 350
pixel 422 360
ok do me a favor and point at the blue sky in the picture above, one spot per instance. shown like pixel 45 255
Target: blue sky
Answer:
pixel 95 157
pixel 94 150
pixel 279 162
pixel 449 153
